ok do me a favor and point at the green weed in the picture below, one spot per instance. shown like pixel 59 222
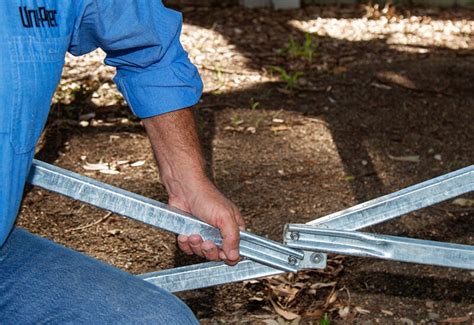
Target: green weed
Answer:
pixel 236 120
pixel 325 320
pixel 290 78
pixel 305 50
pixel 253 104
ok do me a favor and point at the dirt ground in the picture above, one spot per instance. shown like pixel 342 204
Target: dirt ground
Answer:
pixel 385 100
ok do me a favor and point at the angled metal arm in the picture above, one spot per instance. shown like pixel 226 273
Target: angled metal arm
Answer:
pixel 380 246
pixel 401 202
pixel 208 274
pixel 366 214
pixel 157 214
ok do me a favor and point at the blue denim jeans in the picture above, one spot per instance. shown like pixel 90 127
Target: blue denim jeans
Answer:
pixel 45 283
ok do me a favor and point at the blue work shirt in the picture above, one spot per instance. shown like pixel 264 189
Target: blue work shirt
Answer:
pixel 141 39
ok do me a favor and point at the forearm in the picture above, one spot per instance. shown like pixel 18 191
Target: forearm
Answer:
pixel 178 153
pixel 177 150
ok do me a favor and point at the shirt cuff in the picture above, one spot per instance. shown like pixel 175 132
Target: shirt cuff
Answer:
pixel 157 91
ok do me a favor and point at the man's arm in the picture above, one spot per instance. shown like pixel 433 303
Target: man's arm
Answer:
pixel 141 39
pixel 178 154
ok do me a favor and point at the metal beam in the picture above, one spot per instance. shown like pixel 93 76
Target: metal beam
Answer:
pixel 157 214
pixel 401 202
pixel 380 246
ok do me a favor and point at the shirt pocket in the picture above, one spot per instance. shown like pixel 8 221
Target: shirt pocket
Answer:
pixel 36 66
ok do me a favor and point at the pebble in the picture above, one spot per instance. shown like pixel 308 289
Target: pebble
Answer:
pixel 406 321
pixel 433 316
pixel 430 304
pixel 387 312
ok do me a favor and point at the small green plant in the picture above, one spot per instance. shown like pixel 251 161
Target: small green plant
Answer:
pixel 325 320
pixel 290 78
pixel 304 50
pixel 259 118
pixel 236 120
pixel 253 104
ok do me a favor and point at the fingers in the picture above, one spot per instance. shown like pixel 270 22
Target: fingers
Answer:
pixel 194 245
pixel 210 250
pixel 190 244
pixel 231 237
pixel 195 242
pixel 229 221
pixel 183 244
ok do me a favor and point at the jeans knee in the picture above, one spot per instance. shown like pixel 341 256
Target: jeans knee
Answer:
pixel 163 308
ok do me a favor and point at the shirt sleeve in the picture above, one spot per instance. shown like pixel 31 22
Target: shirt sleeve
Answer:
pixel 141 39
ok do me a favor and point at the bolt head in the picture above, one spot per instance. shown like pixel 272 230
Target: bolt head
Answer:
pixel 317 258
pixel 294 235
pixel 292 260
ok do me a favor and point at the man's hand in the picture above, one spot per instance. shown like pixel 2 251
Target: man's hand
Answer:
pixel 178 154
pixel 209 205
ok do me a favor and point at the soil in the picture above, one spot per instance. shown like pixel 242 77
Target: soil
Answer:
pixel 384 102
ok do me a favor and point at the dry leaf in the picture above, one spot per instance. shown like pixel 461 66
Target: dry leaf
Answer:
pixel 284 91
pixel 412 158
pixel 339 70
pixel 255 298
pixel 284 291
pixel 344 312
pixel 386 312
pixel 464 202
pixel 299 285
pixel 109 171
pixel 251 129
pixel 122 162
pixel 331 299
pixel 288 315
pixel 99 166
pixel 138 163
pixel 323 285
pixel 280 128
pixel 380 86
pixel 251 282
pixel 406 321
pixel 361 310
pixel 396 78
pixel 237 129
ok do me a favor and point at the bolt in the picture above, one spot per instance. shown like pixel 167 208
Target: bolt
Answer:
pixel 294 235
pixel 316 258
pixel 292 260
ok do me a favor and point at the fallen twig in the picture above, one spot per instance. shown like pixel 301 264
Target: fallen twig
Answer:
pixel 90 224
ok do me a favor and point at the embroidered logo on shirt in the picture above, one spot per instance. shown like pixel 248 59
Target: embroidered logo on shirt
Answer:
pixel 39 17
